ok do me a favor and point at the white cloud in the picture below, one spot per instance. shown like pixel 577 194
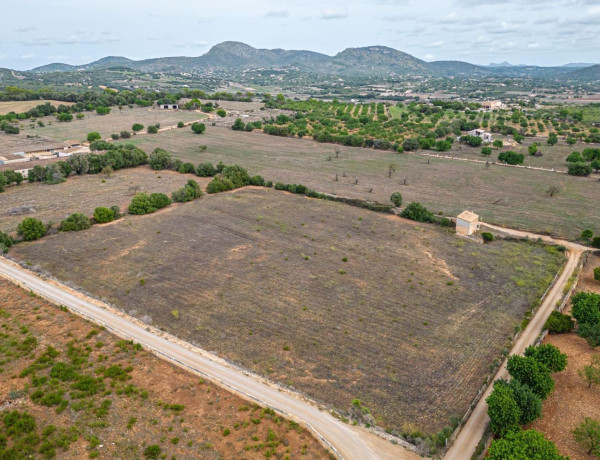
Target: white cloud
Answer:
pixel 429 57
pixel 333 13
pixel 533 46
pixel 434 44
pixel 27 56
pixel 450 18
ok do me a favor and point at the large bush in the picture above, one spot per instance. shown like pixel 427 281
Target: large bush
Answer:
pixel 237 175
pixel 512 158
pixel 579 168
pixel 219 184
pixel 586 308
pixel 549 355
pixel 31 229
pixel 160 159
pixel 103 215
pixel 6 242
pixel 188 192
pixel 141 204
pixel 503 409
pixel 93 136
pixel 416 211
pixel 396 198
pixel 532 373
pixel 558 323
pixel 206 170
pixel 524 445
pixel 75 222
pixel 198 128
pixel 160 200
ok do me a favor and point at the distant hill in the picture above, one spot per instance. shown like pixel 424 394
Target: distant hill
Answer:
pixel 588 74
pixel 365 61
pixel 578 65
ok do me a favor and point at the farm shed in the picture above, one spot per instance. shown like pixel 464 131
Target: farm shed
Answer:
pixel 168 106
pixel 467 223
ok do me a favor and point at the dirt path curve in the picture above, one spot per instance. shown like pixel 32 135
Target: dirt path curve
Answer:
pixel 346 441
pixel 471 433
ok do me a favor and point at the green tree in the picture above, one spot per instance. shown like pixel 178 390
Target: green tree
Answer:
pixel 503 409
pixel 93 136
pixel 531 372
pixel 152 129
pixel 528 402
pixel 410 144
pixel 238 125
pixel 181 124
pixel 160 159
pixel 141 204
pixel 591 372
pixel 396 198
pixel 587 234
pixel 222 113
pixel 597 273
pixel 512 158
pixel 524 445
pixel 137 127
pixel 587 434
pixel 206 170
pixel 103 215
pixel 102 110
pixel 75 222
pixel 532 149
pixel 498 143
pixel 31 229
pixel 198 128
pixel 79 163
pixel 125 135
pixel 558 323
pixel 574 157
pixel 596 242
pixel 579 168
pixel 487 151
pixel 549 355
pixel 160 200
pixel 416 211
pixel 6 242
pixel 64 117
pixel 586 307
pixel 595 164
pixel 552 139
pixel 237 175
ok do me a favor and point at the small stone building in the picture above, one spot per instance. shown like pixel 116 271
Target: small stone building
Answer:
pixel 467 223
pixel 168 106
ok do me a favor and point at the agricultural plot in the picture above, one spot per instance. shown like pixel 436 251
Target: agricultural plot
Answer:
pixel 83 194
pixel 507 196
pixel 113 123
pixel 24 106
pixel 88 394
pixel 337 302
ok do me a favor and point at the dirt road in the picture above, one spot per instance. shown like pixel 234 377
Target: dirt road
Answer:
pixel 471 433
pixel 346 441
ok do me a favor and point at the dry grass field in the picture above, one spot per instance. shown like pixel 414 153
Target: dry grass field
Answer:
pixel 83 194
pixel 127 411
pixel 335 301
pixel 113 123
pixel 24 106
pixel 572 400
pixel 516 198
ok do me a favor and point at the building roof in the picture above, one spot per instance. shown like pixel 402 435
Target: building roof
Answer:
pixel 468 216
pixel 73 142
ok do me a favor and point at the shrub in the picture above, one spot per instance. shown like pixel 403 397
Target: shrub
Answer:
pixel 206 170
pixel 222 113
pixel 529 444
pixel 587 234
pixel 114 137
pixel 511 158
pixel 137 127
pixel 116 211
pixel 549 355
pixel 219 184
pixel 103 215
pixel 75 222
pixel 153 451
pixel 93 136
pixel 487 237
pixel 102 110
pixel 65 116
pixel 238 125
pixel 416 211
pixel 152 129
pixel 160 200
pixel 596 242
pixel 125 134
pixel 181 124
pixel 588 434
pixel 597 273
pixel 31 229
pixel 579 168
pixel 141 204
pixel 279 186
pixel 396 198
pixel 257 181
pixel 237 175
pixel 198 128
pixel 529 403
pixel 187 193
pixel 160 159
pixel 486 151
pixel 186 168
pixel 558 323
pixel 574 157
pixel 6 242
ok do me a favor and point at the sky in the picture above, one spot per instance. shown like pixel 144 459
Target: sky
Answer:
pixel 538 32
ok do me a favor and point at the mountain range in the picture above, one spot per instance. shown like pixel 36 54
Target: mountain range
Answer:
pixel 365 61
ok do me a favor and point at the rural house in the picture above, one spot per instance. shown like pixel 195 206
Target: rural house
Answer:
pixel 487 137
pixel 168 106
pixel 491 105
pixel 467 223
